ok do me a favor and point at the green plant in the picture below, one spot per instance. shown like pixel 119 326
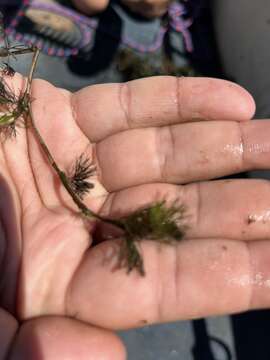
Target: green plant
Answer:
pixel 157 222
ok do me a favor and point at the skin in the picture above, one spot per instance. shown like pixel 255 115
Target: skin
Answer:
pixel 151 139
pixel 147 8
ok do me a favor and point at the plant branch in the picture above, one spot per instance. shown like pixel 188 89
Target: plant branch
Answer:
pixel 61 174
pixel 156 222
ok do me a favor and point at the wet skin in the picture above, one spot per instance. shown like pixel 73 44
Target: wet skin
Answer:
pixel 150 139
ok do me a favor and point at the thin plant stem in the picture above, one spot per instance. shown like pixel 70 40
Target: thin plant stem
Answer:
pixel 61 174
pixel 156 222
pixel 32 70
pixel 5 51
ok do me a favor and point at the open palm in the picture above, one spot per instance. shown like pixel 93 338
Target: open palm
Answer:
pixel 145 137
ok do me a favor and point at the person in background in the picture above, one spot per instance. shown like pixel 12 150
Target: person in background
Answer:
pixel 94 42
pixel 147 8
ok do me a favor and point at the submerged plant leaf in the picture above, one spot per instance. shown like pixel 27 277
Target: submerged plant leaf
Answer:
pixel 157 222
pixel 6 119
pixel 14 110
pixel 7 97
pixel 8 131
pixel 82 171
pixel 130 257
pixel 7 70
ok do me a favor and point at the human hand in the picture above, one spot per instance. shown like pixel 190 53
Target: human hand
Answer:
pixel 147 138
pixel 147 8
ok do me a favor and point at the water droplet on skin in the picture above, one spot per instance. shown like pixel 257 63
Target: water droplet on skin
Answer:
pixel 245 280
pixel 261 217
pixel 258 148
pixel 235 149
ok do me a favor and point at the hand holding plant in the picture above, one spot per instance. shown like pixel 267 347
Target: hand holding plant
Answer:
pixel 144 141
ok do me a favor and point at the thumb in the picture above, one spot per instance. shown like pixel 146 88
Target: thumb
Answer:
pixel 9 326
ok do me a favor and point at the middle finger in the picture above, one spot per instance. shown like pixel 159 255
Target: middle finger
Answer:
pixel 182 153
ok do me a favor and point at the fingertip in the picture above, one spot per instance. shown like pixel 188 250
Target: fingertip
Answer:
pixel 91 6
pixel 66 338
pixel 214 99
pixel 243 102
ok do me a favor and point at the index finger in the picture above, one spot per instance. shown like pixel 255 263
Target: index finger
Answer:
pixel 103 110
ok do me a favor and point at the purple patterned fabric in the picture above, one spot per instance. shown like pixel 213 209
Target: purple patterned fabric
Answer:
pixel 178 20
pixel 180 24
